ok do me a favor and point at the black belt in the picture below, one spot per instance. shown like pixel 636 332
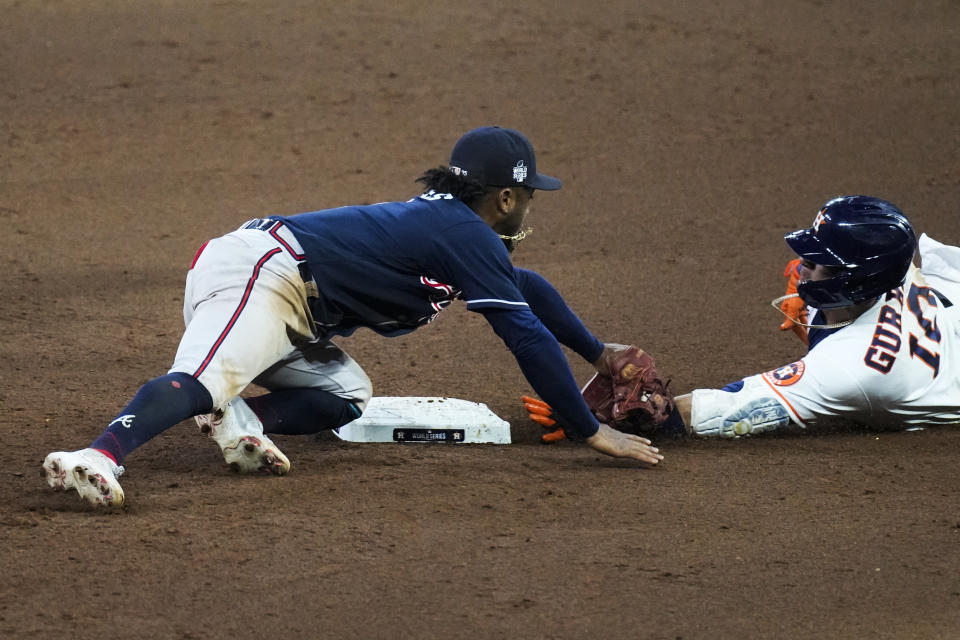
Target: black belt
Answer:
pixel 305 272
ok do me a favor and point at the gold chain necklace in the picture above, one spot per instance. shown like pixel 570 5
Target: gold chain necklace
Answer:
pixel 520 235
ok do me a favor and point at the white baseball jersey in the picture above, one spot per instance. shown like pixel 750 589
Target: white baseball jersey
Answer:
pixel 897 364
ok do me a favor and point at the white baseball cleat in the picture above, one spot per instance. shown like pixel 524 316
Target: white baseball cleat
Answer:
pixel 90 472
pixel 239 433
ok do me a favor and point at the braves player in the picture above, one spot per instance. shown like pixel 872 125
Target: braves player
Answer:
pixel 884 340
pixel 263 304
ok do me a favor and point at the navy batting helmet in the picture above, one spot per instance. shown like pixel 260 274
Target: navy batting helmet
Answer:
pixel 868 239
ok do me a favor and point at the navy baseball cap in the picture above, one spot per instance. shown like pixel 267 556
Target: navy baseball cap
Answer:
pixel 499 157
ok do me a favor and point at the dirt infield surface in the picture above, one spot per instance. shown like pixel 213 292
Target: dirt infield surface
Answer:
pixel 690 137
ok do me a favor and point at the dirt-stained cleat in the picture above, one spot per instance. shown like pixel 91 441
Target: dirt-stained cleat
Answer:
pixel 239 433
pixel 90 472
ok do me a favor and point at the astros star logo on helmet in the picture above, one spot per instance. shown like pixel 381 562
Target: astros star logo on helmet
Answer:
pixel 820 219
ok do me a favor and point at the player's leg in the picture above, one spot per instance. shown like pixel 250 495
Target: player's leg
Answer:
pixel 231 338
pixel 232 298
pixel 165 401
pixel 159 404
pixel 318 386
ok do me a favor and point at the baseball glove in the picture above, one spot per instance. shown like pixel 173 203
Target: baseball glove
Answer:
pixel 632 398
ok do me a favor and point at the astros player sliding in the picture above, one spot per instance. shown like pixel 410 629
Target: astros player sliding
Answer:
pixel 884 341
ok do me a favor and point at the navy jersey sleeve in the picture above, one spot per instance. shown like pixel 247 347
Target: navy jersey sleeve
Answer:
pixel 472 257
pixel 548 305
pixel 544 366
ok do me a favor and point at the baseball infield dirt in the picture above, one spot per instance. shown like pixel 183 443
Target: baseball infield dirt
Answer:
pixel 691 136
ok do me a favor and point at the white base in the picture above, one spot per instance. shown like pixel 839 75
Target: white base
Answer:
pixel 409 419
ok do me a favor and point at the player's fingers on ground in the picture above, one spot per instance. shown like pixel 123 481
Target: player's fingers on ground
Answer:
pixel 529 402
pixel 649 453
pixel 538 409
pixel 554 436
pixel 635 438
pixel 641 454
pixel 544 420
pixel 651 456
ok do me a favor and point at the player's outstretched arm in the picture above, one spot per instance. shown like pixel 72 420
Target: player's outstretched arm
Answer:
pixel 552 310
pixel 545 368
pixel 623 445
pixel 731 413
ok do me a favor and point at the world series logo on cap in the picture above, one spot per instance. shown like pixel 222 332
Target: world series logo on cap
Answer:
pixel 520 171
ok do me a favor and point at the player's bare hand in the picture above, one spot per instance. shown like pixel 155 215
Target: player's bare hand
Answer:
pixel 623 445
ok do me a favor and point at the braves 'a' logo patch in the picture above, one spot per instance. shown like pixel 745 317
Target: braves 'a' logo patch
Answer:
pixel 786 375
pixel 125 421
